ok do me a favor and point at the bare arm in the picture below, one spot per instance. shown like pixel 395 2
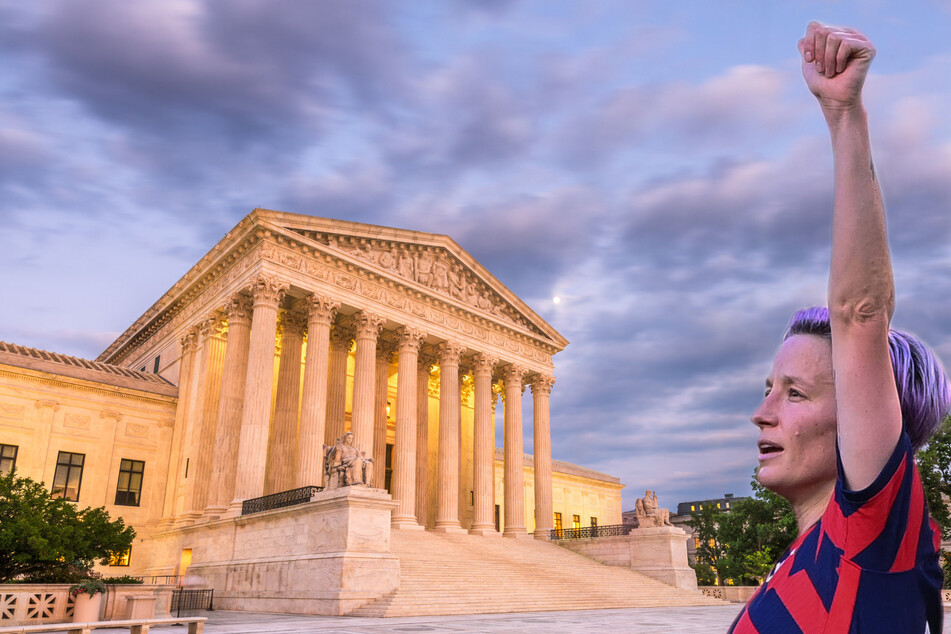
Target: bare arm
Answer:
pixel 861 285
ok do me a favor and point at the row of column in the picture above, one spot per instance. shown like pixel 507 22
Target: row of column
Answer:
pixel 240 454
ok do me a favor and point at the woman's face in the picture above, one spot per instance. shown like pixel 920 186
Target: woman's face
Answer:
pixel 797 420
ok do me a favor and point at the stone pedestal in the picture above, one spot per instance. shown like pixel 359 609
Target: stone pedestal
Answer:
pixel 327 556
pixel 659 553
pixel 140 608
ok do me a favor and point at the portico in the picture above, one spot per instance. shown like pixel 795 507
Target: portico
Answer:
pixel 294 329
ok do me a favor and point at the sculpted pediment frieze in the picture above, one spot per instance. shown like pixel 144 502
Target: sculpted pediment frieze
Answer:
pixel 434 268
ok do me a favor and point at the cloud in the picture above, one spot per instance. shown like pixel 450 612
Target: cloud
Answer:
pixel 674 197
pixel 739 106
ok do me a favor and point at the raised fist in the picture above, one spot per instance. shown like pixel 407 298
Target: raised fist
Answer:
pixel 835 61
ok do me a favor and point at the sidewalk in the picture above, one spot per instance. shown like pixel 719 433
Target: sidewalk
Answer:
pixel 691 620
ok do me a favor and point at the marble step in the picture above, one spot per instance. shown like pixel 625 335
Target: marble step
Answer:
pixel 465 574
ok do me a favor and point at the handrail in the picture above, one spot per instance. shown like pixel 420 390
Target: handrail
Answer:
pixel 279 500
pixel 589 532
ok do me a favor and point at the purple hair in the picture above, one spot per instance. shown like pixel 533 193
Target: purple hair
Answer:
pixel 923 389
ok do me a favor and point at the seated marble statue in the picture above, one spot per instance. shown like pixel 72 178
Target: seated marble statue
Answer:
pixel 648 513
pixel 345 465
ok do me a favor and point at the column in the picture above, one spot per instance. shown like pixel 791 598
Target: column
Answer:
pixel 447 467
pixel 424 365
pixel 368 327
pixel 341 335
pixel 213 364
pixel 514 525
pixel 313 409
pixel 483 447
pixel 203 411
pixel 404 458
pixel 282 439
pixel 384 352
pixel 189 344
pixel 230 405
pixel 544 513
pixel 259 383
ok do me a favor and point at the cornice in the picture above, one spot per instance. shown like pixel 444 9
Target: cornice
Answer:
pixel 86 386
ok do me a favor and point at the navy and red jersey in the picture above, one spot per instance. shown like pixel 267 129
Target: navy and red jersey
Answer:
pixel 870 564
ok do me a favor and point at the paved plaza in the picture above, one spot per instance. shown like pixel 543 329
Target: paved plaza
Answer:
pixel 691 620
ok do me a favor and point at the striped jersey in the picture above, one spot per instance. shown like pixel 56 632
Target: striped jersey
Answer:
pixel 870 564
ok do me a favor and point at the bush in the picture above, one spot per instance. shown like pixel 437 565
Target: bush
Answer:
pixel 706 575
pixel 92 587
pixel 61 573
pixel 123 579
pixel 48 540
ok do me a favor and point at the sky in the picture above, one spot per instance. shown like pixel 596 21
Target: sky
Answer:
pixel 658 167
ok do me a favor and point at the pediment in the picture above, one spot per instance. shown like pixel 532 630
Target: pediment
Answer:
pixel 431 264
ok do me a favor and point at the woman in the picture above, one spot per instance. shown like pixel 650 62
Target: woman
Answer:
pixel 847 403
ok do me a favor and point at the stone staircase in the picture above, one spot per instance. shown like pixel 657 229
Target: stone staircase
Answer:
pixel 469 574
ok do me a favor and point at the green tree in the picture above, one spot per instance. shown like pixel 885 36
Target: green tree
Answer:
pixel 49 538
pixel 755 533
pixel 934 464
pixel 711 553
pixel 741 546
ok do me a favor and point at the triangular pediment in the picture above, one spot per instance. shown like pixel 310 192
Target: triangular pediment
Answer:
pixel 428 263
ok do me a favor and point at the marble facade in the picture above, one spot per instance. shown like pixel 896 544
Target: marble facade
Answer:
pixel 290 332
pixel 253 423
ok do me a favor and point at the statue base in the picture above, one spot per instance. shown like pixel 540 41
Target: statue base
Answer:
pixel 659 553
pixel 327 556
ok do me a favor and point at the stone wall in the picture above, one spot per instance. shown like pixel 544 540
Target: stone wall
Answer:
pixel 328 556
pixel 659 553
pixel 41 603
pixel 733 594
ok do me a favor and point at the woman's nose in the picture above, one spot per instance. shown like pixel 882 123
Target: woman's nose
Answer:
pixel 763 415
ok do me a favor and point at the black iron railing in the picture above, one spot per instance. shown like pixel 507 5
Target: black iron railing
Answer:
pixel 588 532
pixel 184 600
pixel 279 500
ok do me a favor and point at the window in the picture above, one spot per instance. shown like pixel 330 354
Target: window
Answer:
pixel 696 542
pixel 155 366
pixel 129 489
pixel 576 521
pixel 557 521
pixel 8 458
pixel 594 521
pixel 692 508
pixel 69 475
pixel 120 558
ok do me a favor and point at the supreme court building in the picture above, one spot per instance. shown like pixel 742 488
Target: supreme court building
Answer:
pixel 291 331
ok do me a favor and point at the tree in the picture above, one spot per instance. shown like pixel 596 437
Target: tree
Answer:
pixel 934 464
pixel 742 545
pixel 46 537
pixel 755 533
pixel 710 552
